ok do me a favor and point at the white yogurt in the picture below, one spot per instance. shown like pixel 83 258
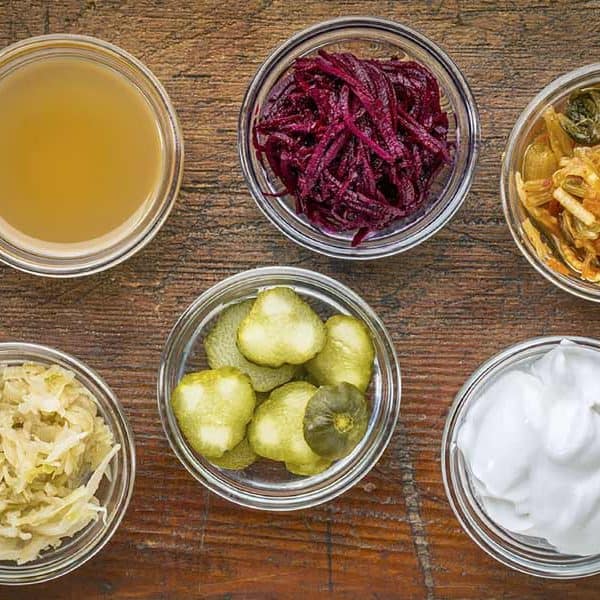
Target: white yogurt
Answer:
pixel 532 441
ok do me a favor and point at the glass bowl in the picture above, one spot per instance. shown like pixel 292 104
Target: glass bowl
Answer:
pixel 114 495
pixel 522 553
pixel 528 125
pixel 375 38
pixel 266 485
pixel 71 260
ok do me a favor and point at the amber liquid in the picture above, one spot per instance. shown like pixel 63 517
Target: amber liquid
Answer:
pixel 80 150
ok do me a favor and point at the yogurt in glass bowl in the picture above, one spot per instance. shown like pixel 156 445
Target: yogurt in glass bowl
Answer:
pixel 520 457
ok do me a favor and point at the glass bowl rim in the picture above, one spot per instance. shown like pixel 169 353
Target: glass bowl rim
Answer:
pixel 580 289
pixel 123 248
pixel 436 54
pixel 326 490
pixel 25 351
pixel 484 372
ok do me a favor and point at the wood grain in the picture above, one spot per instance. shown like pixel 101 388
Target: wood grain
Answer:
pixel 449 304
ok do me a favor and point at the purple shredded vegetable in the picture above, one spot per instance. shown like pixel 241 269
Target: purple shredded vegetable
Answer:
pixel 355 142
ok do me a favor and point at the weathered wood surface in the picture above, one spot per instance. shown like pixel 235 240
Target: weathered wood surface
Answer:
pixel 448 304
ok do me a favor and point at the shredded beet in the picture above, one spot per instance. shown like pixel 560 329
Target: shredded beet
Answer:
pixel 355 142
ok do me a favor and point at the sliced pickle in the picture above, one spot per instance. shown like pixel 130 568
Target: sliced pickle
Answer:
pixel 309 468
pixel 238 458
pixel 277 429
pixel 213 409
pixel 347 356
pixel 222 351
pixel 335 420
pixel 280 328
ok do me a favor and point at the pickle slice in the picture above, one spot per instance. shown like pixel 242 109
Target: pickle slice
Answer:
pixel 280 328
pixel 335 420
pixel 213 409
pixel 309 468
pixel 277 429
pixel 222 351
pixel 347 356
pixel 237 458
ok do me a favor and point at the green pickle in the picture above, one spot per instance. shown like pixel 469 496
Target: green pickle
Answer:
pixel 335 420
pixel 222 351
pixel 347 356
pixel 213 409
pixel 308 469
pixel 277 429
pixel 280 328
pixel 238 458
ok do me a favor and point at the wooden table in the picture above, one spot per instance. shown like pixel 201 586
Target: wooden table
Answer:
pixel 449 304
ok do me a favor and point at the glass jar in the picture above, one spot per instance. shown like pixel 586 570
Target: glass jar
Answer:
pixel 528 125
pixel 373 38
pixel 86 258
pixel 114 495
pixel 266 485
pixel 522 553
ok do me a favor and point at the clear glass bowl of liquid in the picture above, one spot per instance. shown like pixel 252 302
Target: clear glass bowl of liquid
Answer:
pixel 92 158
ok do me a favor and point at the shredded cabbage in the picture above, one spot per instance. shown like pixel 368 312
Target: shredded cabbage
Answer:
pixel 54 451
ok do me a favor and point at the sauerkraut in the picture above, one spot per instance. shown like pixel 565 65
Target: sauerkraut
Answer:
pixel 54 451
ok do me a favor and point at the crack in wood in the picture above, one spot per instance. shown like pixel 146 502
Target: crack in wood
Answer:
pixel 205 512
pixel 413 510
pixel 329 545
pixel 47 18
